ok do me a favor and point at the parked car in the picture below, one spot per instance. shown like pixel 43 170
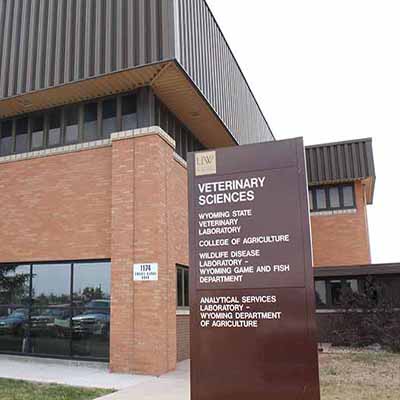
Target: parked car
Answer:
pixel 14 323
pixel 95 320
pixel 46 319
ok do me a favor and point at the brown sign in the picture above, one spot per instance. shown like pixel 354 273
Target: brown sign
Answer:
pixel 253 331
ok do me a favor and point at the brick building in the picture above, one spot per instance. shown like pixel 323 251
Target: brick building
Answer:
pixel 100 102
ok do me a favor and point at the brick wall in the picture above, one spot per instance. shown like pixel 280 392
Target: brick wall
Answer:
pixel 56 207
pixel 149 209
pixel 342 239
pixel 183 337
pixel 126 201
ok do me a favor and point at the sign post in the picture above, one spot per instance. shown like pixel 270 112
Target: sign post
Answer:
pixel 253 333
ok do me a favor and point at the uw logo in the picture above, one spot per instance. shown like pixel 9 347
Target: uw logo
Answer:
pixel 206 163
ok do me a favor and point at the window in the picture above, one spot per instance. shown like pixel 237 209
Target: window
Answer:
pixel 182 286
pixel 109 117
pixel 37 124
pixel 91 301
pixel 14 304
pixel 351 284
pixel 6 142
pixel 71 125
pixel 21 136
pixel 337 197
pixel 320 292
pixel 184 143
pixel 335 291
pixel 334 198
pixel 50 310
pixel 311 199
pixel 90 122
pixel 329 292
pixel 348 196
pixel 56 309
pixel 129 112
pixel 54 133
pixel 320 195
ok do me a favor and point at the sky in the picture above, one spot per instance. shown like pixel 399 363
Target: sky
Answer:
pixel 328 71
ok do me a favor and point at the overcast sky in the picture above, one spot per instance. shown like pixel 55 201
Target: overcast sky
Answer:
pixel 328 71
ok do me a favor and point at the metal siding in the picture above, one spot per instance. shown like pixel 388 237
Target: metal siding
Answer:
pixel 2 27
pixel 98 43
pixel 50 45
pixel 370 165
pixel 44 43
pixel 130 33
pixel 345 161
pixel 69 40
pixel 23 53
pixel 59 44
pixel 232 99
pixel 6 44
pixel 41 47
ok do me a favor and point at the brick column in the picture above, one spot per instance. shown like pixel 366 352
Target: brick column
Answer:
pixel 143 314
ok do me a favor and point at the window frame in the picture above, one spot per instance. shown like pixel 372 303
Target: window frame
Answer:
pixel 47 127
pixel 182 269
pixel 31 117
pixel 313 197
pixel 330 304
pixel 13 124
pixel 160 116
pixel 31 306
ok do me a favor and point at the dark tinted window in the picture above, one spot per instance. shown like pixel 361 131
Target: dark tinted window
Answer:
pixel 51 284
pixel 90 121
pixel 37 315
pixel 50 313
pixel 331 197
pixel 184 144
pixel 186 286
pixel 320 292
pixel 129 120
pixel 54 134
pixel 76 123
pixel 92 281
pixel 71 124
pixel 21 136
pixel 334 198
pixel 14 285
pixel 37 128
pixel 91 312
pixel 311 199
pixel 182 286
pixel 336 291
pixel 14 307
pixel 109 117
pixel 348 196
pixel 321 199
pixel 6 139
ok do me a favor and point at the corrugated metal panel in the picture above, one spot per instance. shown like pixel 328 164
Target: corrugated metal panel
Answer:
pixel 48 43
pixel 206 57
pixel 44 43
pixel 342 161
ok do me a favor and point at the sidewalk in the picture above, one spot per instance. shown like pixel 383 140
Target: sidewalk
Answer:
pixel 71 373
pixel 172 386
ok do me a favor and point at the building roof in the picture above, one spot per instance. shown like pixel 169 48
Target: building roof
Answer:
pixel 55 53
pixel 357 270
pixel 347 161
